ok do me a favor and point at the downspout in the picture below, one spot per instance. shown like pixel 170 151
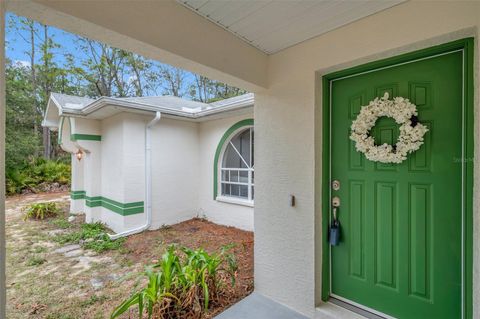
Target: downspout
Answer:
pixel 148 181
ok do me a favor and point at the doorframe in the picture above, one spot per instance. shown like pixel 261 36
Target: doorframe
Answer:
pixel 466 46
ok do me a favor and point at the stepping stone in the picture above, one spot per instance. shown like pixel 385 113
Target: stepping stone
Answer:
pixel 55 232
pixel 74 253
pixel 67 248
pixel 96 283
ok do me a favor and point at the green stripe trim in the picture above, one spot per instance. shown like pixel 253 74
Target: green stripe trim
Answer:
pixel 77 194
pixel 85 137
pixel 123 209
pixel 226 137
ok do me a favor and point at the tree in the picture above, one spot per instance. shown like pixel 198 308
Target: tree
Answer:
pixel 91 69
pixel 207 90
pixel 108 71
pixel 20 117
pixel 174 80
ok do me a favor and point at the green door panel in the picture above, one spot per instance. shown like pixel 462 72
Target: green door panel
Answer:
pixel 401 244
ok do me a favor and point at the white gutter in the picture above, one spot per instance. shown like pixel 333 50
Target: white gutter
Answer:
pixel 148 181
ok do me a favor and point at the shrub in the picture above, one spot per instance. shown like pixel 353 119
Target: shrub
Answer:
pixel 34 173
pixel 92 236
pixel 41 211
pixel 183 286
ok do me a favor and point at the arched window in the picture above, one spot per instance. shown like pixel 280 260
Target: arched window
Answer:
pixel 237 166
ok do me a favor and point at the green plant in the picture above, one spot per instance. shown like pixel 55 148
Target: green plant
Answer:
pixel 93 300
pixel 61 223
pixel 92 236
pixel 35 261
pixel 41 211
pixel 34 172
pixel 184 284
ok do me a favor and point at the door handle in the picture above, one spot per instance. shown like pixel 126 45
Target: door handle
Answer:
pixel 335 205
pixel 334 236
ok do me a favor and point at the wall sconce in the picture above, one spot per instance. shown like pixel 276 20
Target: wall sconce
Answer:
pixel 79 154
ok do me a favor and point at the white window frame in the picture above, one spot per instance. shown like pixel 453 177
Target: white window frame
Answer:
pixel 234 199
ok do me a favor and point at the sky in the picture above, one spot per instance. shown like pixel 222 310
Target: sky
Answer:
pixel 17 46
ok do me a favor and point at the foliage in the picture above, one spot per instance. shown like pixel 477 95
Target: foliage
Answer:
pixel 182 286
pixel 85 68
pixel 92 236
pixel 33 173
pixel 35 261
pixel 41 211
pixel 61 223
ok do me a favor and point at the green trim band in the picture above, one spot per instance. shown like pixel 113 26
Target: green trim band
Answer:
pixel 85 137
pixel 110 204
pixel 78 194
pixel 227 135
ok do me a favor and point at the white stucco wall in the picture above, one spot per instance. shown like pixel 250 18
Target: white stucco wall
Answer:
pixel 210 134
pixel 287 260
pixel 122 172
pixel 174 171
pixel 112 171
pixel 77 205
pixel 183 153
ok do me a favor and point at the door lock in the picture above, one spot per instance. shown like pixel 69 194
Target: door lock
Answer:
pixel 335 185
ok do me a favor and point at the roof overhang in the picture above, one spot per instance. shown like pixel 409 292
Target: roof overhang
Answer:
pixel 105 107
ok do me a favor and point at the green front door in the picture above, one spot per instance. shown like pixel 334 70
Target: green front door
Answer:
pixel 401 247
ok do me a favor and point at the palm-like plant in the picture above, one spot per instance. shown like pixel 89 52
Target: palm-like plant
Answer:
pixel 180 287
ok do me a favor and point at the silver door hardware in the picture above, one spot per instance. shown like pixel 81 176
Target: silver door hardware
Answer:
pixel 336 201
pixel 336 185
pixel 335 205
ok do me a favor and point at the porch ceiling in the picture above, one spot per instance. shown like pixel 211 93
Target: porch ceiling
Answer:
pixel 272 26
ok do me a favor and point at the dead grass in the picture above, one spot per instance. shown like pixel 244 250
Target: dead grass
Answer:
pixel 42 283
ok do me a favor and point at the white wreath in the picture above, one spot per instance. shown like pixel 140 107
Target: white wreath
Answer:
pixel 404 113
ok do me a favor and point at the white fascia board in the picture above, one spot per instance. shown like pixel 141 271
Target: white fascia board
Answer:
pixel 130 106
pixel 51 124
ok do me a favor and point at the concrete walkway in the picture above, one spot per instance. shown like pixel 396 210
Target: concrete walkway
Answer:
pixel 257 306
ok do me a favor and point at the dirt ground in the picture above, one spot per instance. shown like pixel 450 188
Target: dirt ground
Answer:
pixel 51 281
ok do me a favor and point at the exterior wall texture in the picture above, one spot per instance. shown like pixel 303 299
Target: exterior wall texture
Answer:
pixel 175 180
pixel 210 133
pixel 288 240
pixel 109 182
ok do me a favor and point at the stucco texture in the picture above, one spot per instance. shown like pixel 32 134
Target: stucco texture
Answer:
pixel 183 154
pixel 289 148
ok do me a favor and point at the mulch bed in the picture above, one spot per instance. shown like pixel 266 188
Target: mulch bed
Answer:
pixel 200 233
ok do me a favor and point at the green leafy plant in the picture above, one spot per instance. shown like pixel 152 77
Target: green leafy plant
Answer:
pixel 92 236
pixel 34 173
pixel 41 211
pixel 62 223
pixel 182 285
pixel 35 261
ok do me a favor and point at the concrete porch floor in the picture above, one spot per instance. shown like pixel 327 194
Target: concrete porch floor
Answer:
pixel 257 306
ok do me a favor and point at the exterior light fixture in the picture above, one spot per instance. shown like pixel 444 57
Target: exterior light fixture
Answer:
pixel 79 154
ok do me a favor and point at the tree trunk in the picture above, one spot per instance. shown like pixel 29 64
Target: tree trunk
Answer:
pixel 47 146
pixel 34 78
